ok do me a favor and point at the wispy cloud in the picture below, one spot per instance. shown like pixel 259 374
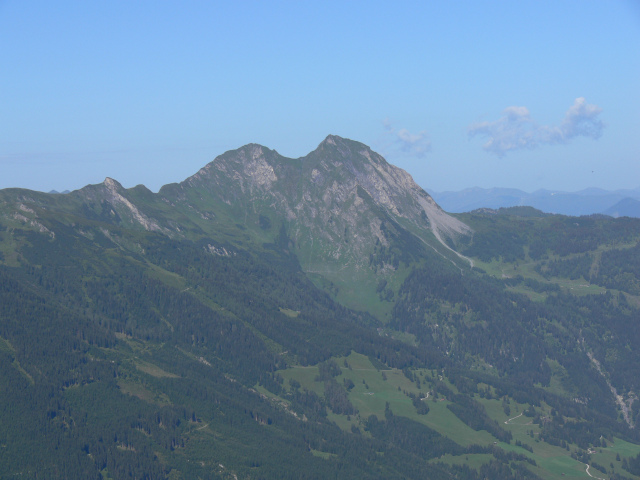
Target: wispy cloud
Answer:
pixel 516 130
pixel 415 144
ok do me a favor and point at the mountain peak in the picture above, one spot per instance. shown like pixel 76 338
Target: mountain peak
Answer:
pixel 336 141
pixel 339 201
pixel 337 151
pixel 331 140
pixel 112 184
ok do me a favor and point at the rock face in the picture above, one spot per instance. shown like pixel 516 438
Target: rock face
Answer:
pixel 110 199
pixel 337 203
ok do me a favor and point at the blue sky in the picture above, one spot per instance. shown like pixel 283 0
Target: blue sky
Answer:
pixel 522 94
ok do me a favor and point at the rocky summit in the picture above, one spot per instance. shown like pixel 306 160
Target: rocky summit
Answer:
pixel 337 204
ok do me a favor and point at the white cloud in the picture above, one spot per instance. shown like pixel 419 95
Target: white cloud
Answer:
pixel 516 130
pixel 415 144
pixel 581 119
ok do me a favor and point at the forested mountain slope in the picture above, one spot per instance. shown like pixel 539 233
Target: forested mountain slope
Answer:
pixel 209 330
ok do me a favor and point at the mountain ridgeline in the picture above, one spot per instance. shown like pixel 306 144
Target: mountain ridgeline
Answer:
pixel 319 317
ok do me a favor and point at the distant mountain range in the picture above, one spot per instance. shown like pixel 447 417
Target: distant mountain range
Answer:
pixel 618 203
